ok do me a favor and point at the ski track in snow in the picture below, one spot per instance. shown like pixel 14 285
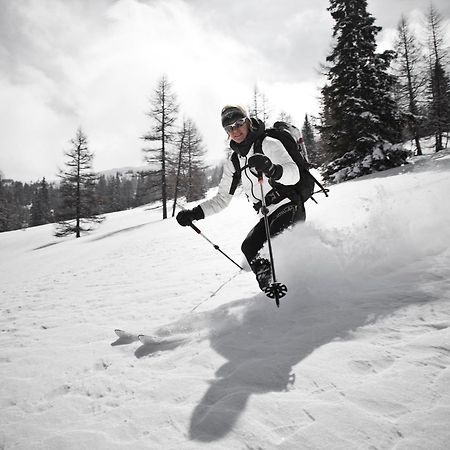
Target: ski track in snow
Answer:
pixel 356 357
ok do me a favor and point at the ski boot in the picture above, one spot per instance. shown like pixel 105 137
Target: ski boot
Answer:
pixel 261 268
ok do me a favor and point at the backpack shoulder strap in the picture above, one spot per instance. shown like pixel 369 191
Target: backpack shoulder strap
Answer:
pixel 237 173
pixel 257 145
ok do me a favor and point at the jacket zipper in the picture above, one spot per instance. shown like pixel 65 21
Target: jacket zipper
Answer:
pixel 251 183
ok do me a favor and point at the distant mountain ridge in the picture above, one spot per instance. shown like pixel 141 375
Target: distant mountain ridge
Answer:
pixel 123 171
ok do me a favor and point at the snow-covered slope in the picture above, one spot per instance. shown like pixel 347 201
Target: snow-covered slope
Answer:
pixel 356 357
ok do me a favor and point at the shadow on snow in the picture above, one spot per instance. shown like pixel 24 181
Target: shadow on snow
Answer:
pixel 263 345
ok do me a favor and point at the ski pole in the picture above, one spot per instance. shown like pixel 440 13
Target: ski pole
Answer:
pixel 216 291
pixel 214 245
pixel 275 290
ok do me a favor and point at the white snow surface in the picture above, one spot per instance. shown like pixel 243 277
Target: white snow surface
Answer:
pixel 356 357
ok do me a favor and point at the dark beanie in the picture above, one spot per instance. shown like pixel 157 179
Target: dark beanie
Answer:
pixel 231 113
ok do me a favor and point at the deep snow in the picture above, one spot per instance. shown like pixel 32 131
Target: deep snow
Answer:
pixel 356 357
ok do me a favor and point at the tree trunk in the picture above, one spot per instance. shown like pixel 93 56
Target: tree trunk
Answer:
pixel 177 180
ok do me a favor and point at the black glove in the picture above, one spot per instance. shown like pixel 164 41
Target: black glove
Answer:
pixel 185 217
pixel 261 163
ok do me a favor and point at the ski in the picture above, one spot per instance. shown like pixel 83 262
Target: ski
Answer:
pixel 147 339
pixel 125 337
pixel 162 340
pixel 134 337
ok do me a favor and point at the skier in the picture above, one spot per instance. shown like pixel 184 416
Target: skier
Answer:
pixel 276 164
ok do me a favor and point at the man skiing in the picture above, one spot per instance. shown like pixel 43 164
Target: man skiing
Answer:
pixel 276 164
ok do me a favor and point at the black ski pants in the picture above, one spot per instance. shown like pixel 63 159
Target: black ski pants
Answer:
pixel 279 220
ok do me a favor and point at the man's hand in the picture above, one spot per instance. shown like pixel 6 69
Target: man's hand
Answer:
pixel 262 164
pixel 185 217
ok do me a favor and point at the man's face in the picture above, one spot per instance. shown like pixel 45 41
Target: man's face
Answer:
pixel 239 133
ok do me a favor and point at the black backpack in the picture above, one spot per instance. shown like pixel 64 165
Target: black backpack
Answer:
pixel 291 138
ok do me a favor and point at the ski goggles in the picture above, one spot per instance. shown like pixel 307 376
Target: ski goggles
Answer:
pixel 235 125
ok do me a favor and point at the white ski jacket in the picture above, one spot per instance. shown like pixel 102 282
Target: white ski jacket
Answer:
pixel 274 150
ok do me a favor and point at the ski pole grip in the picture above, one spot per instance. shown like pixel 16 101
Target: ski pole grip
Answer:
pixel 195 228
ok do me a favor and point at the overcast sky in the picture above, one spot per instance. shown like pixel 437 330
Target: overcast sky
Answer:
pixel 95 64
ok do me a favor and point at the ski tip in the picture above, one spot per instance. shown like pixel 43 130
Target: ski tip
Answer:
pixel 125 334
pixel 124 337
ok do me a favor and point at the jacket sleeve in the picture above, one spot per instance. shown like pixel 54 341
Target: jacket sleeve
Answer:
pixel 223 197
pixel 275 150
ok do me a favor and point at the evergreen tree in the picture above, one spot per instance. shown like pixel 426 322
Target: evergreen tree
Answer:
pixel 411 81
pixel 216 175
pixel 326 125
pixel 439 108
pixel 143 189
pixel 285 117
pixel 3 207
pixel 310 141
pixel 79 210
pixel 115 183
pixel 126 193
pixel 259 108
pixel 14 205
pixel 40 212
pixel 179 165
pixel 23 204
pixel 191 180
pixel 195 184
pixel 363 115
pixel 163 115
pixel 115 193
pixel 101 193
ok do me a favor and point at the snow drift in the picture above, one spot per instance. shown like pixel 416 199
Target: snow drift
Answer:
pixel 356 357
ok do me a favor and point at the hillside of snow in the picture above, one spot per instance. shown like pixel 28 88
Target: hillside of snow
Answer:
pixel 356 357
